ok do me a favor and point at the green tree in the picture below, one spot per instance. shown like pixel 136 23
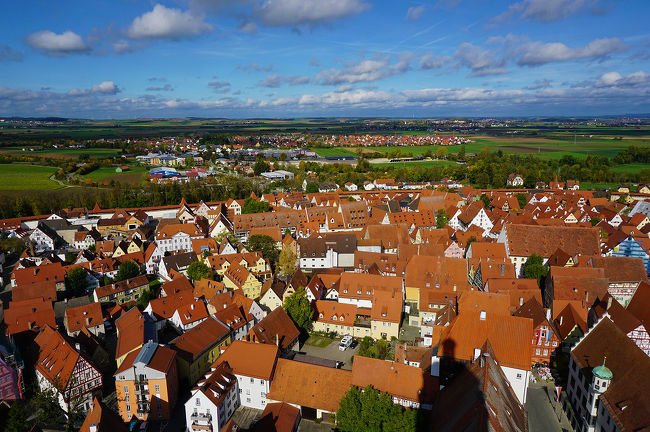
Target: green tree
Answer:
pixel 299 309
pixel 251 205
pixel 287 262
pixel 522 199
pixel 371 411
pixel 17 418
pixel 471 240
pixel 441 152
pixel 263 244
pixel 198 270
pixel 534 268
pixel 144 299
pixel 312 187
pixel 442 218
pixel 594 220
pixel 127 270
pixel 485 200
pixel 260 166
pixel 189 161
pixel 77 282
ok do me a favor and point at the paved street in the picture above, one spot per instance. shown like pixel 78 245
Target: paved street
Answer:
pixel 332 352
pixel 311 426
pixel 541 417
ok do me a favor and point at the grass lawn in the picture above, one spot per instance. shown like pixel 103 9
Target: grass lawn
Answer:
pixel 27 177
pixel 427 163
pixel 594 186
pixel 332 151
pixel 631 168
pixel 94 153
pixel 134 175
pixel 318 341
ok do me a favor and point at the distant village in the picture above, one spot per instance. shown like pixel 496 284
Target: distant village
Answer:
pixel 265 313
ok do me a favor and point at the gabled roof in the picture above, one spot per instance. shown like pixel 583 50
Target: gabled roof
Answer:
pixel 309 385
pixel 275 329
pixel 102 419
pixel 639 306
pixel 194 342
pixel 251 359
pixel 86 316
pixel 525 240
pixel 56 357
pixel 396 379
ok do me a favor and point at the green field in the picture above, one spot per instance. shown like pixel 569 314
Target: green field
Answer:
pixel 427 163
pixel 17 177
pixel 318 341
pixel 632 168
pixel 135 174
pixel 554 147
pixel 94 153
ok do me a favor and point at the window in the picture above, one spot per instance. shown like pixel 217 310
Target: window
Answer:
pixel 157 388
pixel 126 398
pixel 252 380
pixel 537 351
pixel 128 408
pixel 126 389
pixel 198 402
pixel 518 376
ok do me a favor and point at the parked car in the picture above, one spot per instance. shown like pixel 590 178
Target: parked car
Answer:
pixel 345 342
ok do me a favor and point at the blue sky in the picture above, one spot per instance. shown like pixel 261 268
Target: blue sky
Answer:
pixel 287 58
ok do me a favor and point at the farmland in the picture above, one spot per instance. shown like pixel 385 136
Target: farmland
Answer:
pixel 19 177
pixel 134 175
pixel 93 153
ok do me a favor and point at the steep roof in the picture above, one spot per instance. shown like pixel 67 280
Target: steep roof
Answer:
pixel 509 336
pixel 251 359
pixel 639 306
pixel 86 316
pixel 525 240
pixel 276 328
pixel 191 344
pixel 476 301
pixel 56 358
pixel 396 379
pixel 309 385
pixel 103 419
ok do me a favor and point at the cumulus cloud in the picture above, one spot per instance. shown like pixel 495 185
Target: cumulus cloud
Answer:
pixel 429 61
pixel 255 67
pixel 220 86
pixel 415 12
pixel 165 88
pixel 365 70
pixel 277 13
pixel 547 10
pixel 615 79
pixel 273 81
pixel 168 23
pixel 539 84
pixel 248 27
pixel 539 53
pixel 103 88
pixel 481 62
pixel 55 44
pixel 9 54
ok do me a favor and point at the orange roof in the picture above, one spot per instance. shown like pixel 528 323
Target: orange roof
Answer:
pixel 118 287
pixel 56 358
pixel 363 285
pixel 387 306
pixel 437 272
pixel 86 316
pixel 509 336
pixel 103 419
pixel 194 342
pixel 309 385
pixel 42 290
pixel 47 272
pixel 335 313
pixel 29 314
pixel 476 301
pixel 251 359
pixel 192 312
pixel 399 380
pixel 130 332
pixel 276 328
pixel 164 307
pixel 207 288
pixel 172 229
pixel 273 232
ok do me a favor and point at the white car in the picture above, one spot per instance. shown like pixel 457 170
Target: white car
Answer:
pixel 345 342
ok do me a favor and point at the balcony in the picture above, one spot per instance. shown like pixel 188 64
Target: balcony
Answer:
pixel 200 417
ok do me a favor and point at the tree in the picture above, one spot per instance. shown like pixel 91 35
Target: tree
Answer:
pixel 299 309
pixel 534 268
pixel 370 411
pixel 471 240
pixel 594 220
pixel 442 218
pixel 312 187
pixel 264 244
pixel 77 282
pixel 522 199
pixel 287 262
pixel 198 270
pixel 441 152
pixel 127 270
pixel 260 166
pixel 485 200
pixel 189 161
pixel 144 299
pixel 374 349
pixel 251 205
pixel 17 418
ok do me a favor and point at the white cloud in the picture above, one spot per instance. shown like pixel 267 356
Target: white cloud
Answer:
pixel 307 12
pixel 539 53
pixel 615 79
pixel 480 61
pixel 104 88
pixel 55 44
pixel 365 70
pixel 220 86
pixel 274 81
pixel 415 12
pixel 429 61
pixel 167 23
pixel 547 10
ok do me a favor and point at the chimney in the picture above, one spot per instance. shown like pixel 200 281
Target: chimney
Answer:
pixel 609 302
pixel 548 314
pixel 277 339
pixel 521 301
pixel 561 319
pixel 87 321
pixel 77 346
pixel 93 427
pixel 483 315
pixel 587 297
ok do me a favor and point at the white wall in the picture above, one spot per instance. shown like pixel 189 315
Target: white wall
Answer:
pixel 253 394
